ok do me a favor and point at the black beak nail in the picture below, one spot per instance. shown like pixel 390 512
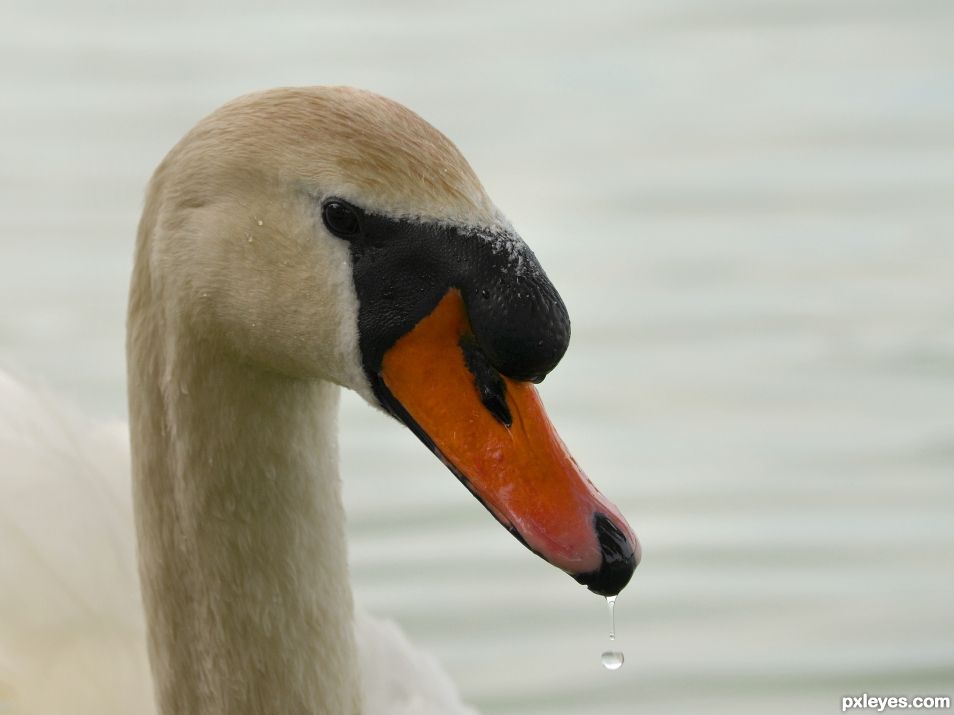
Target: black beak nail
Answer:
pixel 619 560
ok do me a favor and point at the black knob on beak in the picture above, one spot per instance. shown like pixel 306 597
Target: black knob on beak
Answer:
pixel 517 315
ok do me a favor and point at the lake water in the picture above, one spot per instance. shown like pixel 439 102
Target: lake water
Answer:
pixel 748 208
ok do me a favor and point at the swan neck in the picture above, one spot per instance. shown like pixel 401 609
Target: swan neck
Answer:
pixel 241 533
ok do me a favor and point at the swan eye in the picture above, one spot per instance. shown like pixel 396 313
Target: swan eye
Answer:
pixel 340 218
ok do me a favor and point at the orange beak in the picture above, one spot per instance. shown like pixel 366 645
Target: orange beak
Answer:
pixel 521 472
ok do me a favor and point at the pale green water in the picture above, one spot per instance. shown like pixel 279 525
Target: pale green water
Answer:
pixel 748 208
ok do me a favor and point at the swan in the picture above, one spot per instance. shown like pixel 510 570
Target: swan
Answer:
pixel 298 241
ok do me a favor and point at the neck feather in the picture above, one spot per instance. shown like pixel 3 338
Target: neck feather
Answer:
pixel 241 533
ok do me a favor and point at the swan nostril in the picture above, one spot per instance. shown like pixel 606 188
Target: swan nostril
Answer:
pixel 490 386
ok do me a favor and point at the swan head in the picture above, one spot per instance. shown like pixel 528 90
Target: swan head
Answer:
pixel 331 233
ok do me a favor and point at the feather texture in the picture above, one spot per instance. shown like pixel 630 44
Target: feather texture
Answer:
pixel 72 636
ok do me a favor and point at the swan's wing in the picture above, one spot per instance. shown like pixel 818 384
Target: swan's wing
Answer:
pixel 71 631
pixel 400 679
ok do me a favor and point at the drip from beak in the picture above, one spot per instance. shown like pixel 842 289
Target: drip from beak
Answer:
pixel 493 433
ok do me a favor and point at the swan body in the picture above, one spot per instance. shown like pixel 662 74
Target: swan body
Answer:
pixel 295 242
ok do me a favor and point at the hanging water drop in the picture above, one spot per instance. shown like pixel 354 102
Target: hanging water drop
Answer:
pixel 612 659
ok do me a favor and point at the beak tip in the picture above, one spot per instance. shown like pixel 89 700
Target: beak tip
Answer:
pixel 621 556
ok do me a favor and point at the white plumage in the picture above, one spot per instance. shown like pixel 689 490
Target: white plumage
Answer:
pixel 72 636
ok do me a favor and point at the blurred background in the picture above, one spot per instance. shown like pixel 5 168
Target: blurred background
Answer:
pixel 747 206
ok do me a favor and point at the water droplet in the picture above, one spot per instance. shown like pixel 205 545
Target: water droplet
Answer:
pixel 612 659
